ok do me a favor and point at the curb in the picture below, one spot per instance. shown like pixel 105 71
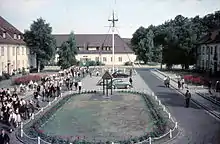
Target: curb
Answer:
pixel 195 101
pixel 209 99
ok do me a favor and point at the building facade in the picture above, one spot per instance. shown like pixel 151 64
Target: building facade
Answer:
pixel 98 47
pixel 14 54
pixel 208 53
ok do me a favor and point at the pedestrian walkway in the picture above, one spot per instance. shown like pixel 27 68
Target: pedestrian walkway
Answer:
pixel 202 91
pixel 89 83
pixel 208 105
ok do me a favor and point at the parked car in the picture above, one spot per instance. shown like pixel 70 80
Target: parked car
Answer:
pixel 119 84
pixel 100 82
pixel 120 74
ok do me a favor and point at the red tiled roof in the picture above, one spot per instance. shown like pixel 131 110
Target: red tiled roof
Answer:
pixel 212 37
pixel 95 40
pixel 10 30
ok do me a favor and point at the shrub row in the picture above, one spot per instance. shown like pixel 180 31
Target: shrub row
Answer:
pixel 197 80
pixel 27 78
pixel 34 130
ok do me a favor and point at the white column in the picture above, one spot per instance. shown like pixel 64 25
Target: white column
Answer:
pixel 113 49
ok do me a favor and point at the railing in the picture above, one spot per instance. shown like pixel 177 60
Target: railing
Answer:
pixel 170 132
pixel 38 140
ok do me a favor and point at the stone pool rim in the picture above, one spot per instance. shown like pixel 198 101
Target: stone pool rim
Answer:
pixel 34 130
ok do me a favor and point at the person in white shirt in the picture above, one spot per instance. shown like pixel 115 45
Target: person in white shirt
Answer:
pixel 80 86
pixel 12 119
pixel 182 83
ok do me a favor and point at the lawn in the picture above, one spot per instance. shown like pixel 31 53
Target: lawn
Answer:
pixel 92 116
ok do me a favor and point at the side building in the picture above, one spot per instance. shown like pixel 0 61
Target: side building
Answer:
pixel 14 54
pixel 98 47
pixel 208 53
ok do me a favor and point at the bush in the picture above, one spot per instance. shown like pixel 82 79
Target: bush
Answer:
pixel 23 71
pixel 5 75
pixel 26 79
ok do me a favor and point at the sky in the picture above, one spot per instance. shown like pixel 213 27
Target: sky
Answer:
pixel 91 16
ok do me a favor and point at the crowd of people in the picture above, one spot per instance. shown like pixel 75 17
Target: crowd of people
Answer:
pixel 15 109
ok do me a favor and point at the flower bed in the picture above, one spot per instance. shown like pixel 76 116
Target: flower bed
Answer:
pixel 33 130
pixel 27 78
pixel 197 80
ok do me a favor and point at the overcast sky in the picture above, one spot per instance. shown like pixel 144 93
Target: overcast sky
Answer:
pixel 91 16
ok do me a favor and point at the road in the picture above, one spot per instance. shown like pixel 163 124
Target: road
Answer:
pixel 196 126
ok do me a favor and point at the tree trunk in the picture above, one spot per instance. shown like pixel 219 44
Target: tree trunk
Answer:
pixel 37 63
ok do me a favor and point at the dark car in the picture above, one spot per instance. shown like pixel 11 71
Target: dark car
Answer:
pixel 119 74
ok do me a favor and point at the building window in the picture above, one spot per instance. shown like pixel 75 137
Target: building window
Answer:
pixel 207 50
pixel 111 59
pixel 207 64
pixel 120 59
pixel 104 59
pixel 18 51
pixel 2 66
pixel 203 64
pixel 22 63
pixel 4 35
pixel 13 51
pixel 27 51
pixel 18 63
pixel 96 58
pixel 2 51
pixel 15 36
pixel 19 36
pixel 97 48
pixel 22 50
pixel 203 50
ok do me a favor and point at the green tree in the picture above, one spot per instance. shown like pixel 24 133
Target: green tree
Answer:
pixel 174 41
pixel 67 52
pixel 40 41
pixel 72 43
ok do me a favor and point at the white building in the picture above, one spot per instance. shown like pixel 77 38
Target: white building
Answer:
pixel 208 53
pixel 14 54
pixel 98 47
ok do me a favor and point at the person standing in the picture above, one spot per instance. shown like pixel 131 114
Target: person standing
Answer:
pixel 179 84
pixel 90 73
pixel 210 86
pixel 76 85
pixel 130 80
pixel 187 98
pixel 80 86
pixel 4 138
pixel 182 83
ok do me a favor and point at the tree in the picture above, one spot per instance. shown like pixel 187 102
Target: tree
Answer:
pixel 40 41
pixel 67 52
pixel 174 40
pixel 72 43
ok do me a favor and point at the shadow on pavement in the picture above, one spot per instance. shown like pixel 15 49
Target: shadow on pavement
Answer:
pixel 173 100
